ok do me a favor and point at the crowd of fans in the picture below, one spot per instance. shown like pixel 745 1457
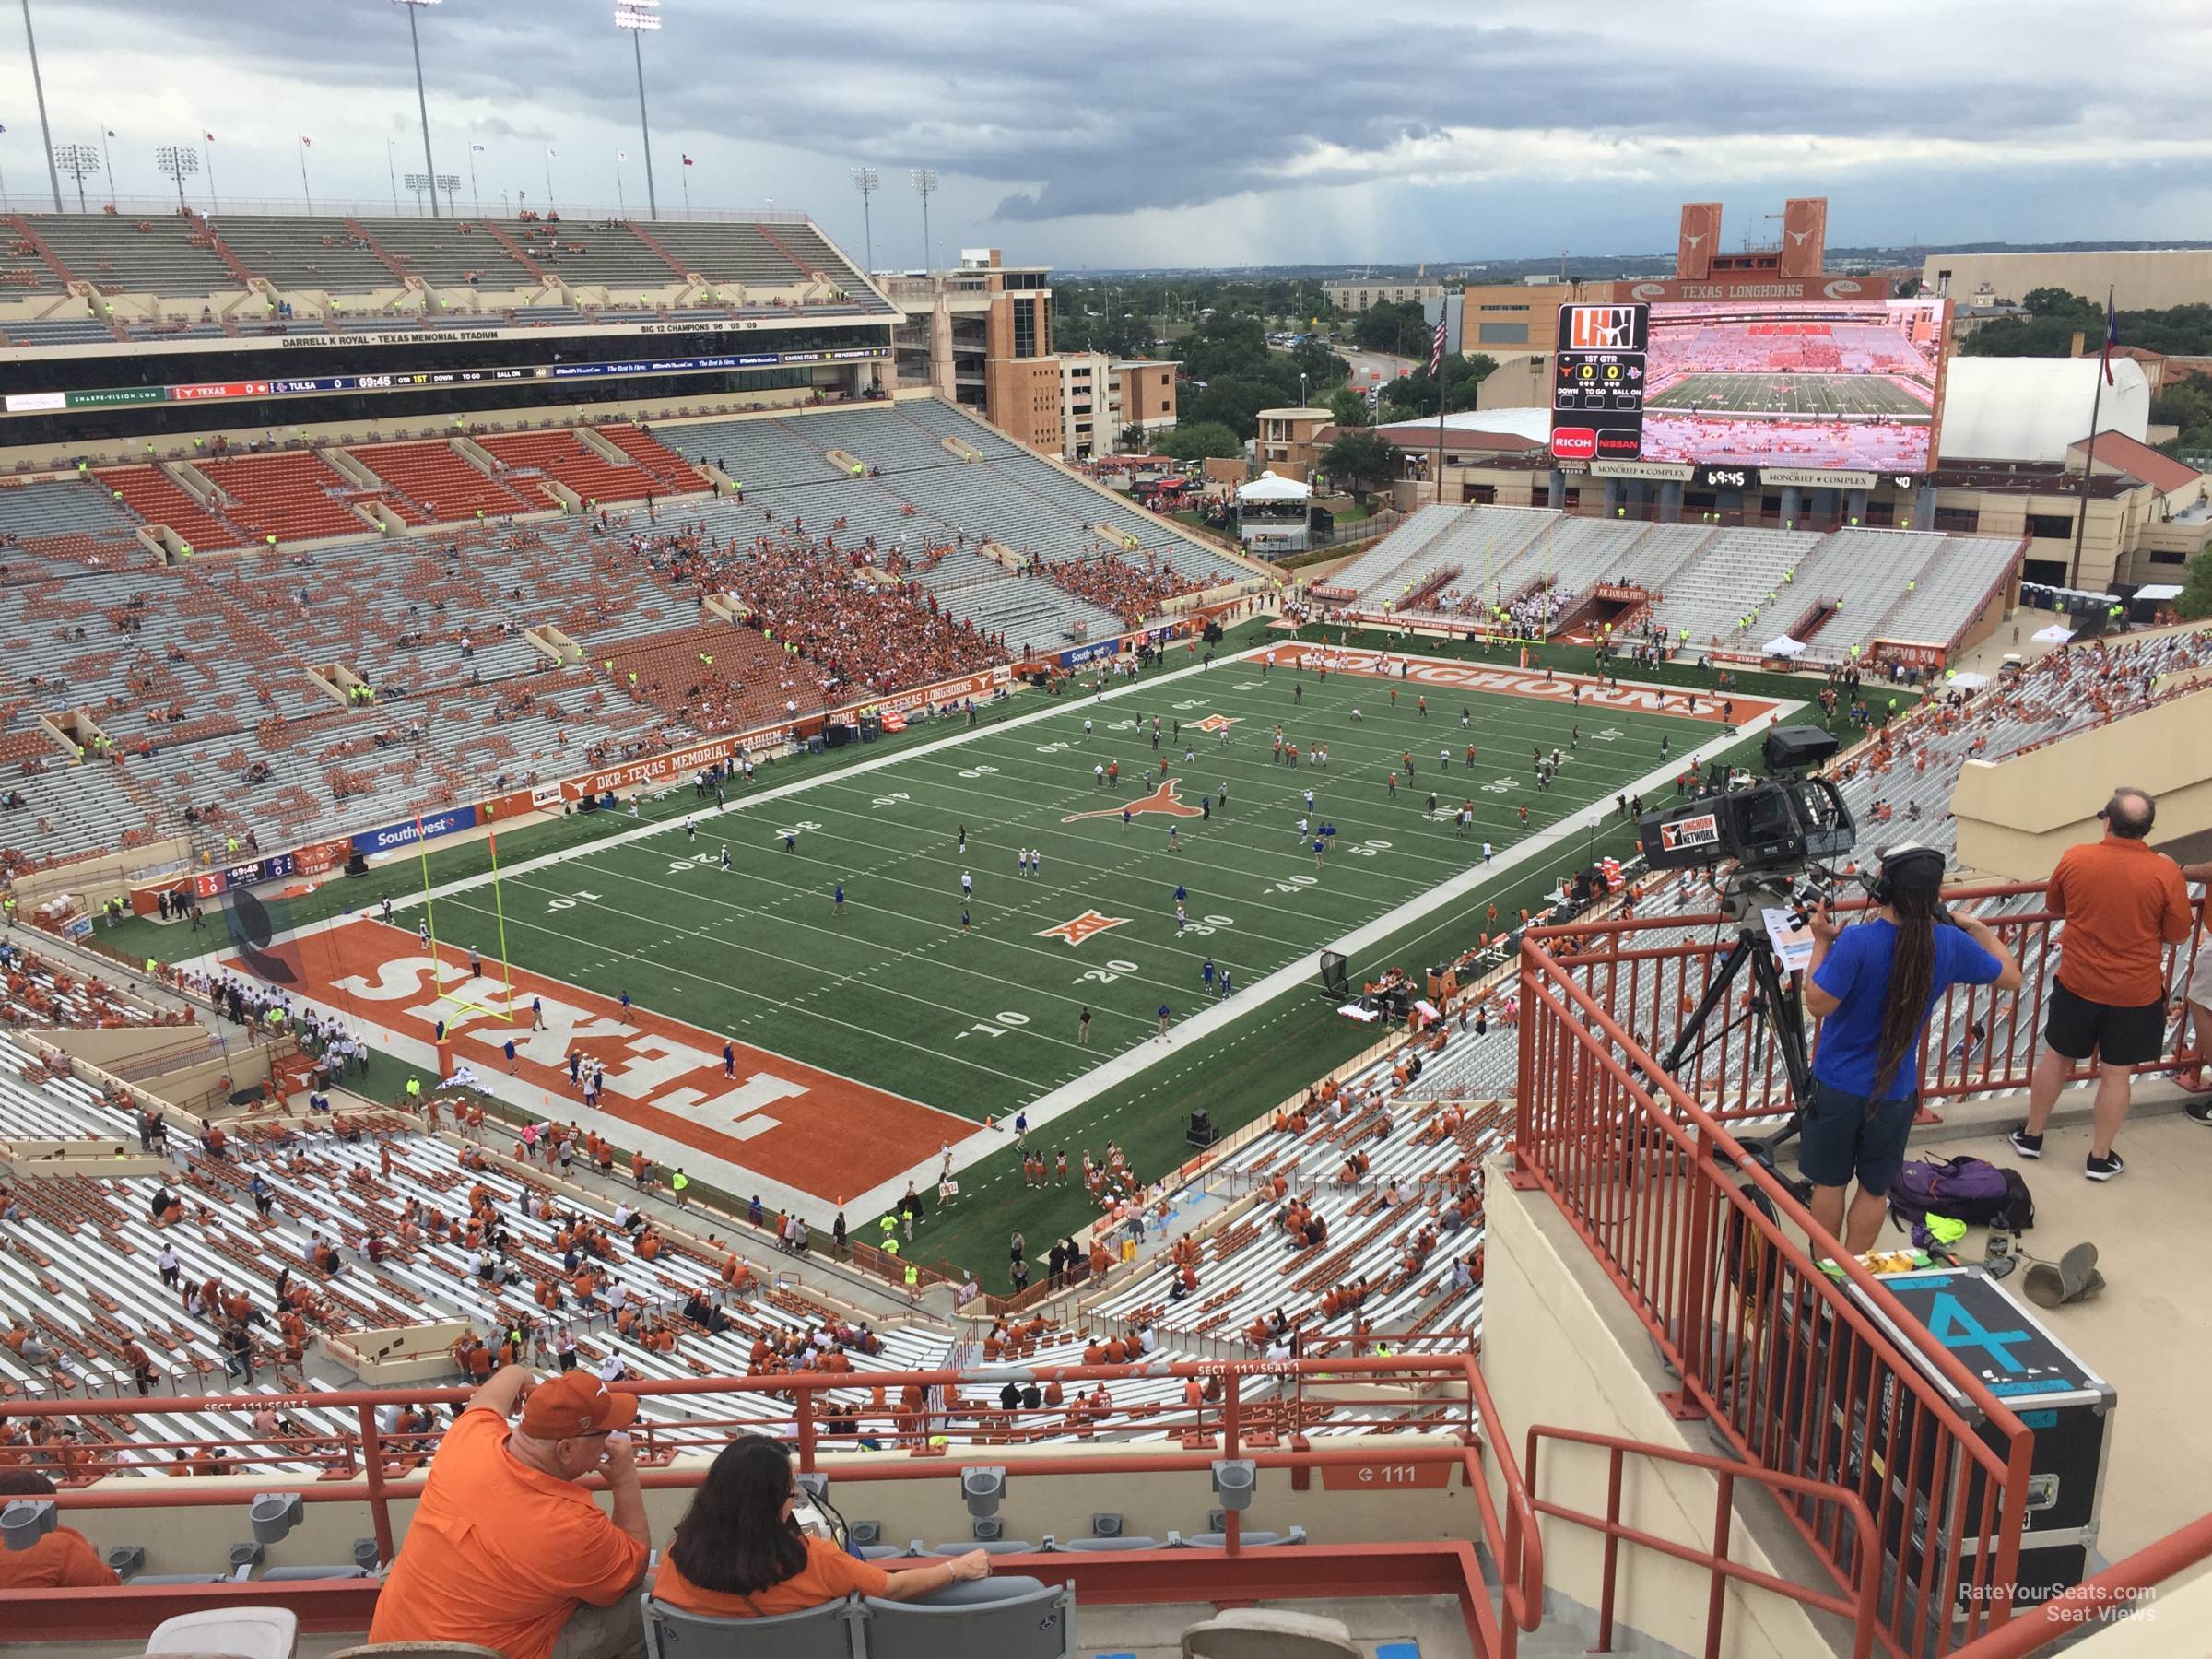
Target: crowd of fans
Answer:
pixel 1131 592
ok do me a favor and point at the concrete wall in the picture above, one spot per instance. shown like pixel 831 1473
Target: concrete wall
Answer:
pixel 2016 815
pixel 2141 279
pixel 931 1510
pixel 1561 1348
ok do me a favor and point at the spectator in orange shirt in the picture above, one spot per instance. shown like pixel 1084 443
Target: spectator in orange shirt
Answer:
pixel 507 1550
pixel 63 1560
pixel 2123 904
pixel 737 1553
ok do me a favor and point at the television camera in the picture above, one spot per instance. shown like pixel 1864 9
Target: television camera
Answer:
pixel 1774 831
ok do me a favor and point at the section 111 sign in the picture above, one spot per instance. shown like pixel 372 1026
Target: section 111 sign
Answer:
pixel 1598 386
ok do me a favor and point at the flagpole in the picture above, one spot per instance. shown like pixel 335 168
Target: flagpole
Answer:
pixel 304 191
pixel 214 206
pixel 106 133
pixel 1436 365
pixel 2088 453
pixel 684 173
pixel 621 201
pixel 473 191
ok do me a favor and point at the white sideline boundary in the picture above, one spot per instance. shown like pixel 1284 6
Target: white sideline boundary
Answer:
pixel 743 1182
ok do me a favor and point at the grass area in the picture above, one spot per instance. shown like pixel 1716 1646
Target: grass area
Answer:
pixel 893 992
pixel 967 999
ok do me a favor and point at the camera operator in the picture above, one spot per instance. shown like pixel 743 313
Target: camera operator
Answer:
pixel 1874 986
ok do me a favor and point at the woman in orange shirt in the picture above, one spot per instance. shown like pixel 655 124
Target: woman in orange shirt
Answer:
pixel 737 1553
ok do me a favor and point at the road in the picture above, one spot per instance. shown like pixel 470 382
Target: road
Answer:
pixel 1380 364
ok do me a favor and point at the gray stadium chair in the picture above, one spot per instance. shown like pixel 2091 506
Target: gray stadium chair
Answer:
pixel 291 1574
pixel 1248 1540
pixel 1263 1634
pixel 989 1547
pixel 1005 1618
pixel 828 1631
pixel 418 1650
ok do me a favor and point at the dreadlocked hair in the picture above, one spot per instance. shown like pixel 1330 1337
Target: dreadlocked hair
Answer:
pixel 1912 982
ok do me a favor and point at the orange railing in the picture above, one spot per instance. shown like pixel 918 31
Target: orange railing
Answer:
pixel 390 1466
pixel 1858 1605
pixel 2125 1588
pixel 1791 1367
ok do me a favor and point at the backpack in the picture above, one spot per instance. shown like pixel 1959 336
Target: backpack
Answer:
pixel 1971 1189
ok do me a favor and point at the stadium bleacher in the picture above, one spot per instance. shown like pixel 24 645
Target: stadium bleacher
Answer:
pixel 1736 588
pixel 204 674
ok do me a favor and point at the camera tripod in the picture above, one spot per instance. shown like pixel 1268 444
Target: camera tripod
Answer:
pixel 1777 1006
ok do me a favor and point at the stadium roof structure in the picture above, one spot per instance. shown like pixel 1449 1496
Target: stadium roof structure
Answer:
pixel 2139 461
pixel 2036 408
pixel 1475 429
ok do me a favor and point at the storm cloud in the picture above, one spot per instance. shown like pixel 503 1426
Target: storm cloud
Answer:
pixel 1130 132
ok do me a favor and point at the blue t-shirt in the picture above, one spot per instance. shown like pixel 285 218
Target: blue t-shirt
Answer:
pixel 1856 973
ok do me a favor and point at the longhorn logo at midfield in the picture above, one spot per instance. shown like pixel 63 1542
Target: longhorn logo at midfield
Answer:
pixel 1161 800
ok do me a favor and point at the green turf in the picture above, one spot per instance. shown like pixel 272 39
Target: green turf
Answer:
pixel 1823 395
pixel 894 992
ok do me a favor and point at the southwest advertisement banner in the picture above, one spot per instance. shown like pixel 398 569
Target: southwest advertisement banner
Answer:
pixel 370 843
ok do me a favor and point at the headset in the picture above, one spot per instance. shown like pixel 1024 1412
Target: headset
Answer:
pixel 1909 864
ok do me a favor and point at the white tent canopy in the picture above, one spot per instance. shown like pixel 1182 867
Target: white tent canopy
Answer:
pixel 2056 634
pixel 1269 487
pixel 1783 646
pixel 1969 682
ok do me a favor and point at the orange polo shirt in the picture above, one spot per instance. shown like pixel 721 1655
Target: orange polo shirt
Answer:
pixel 500 1553
pixel 63 1560
pixel 830 1575
pixel 2121 902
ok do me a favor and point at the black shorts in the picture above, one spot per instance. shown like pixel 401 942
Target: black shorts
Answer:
pixel 2078 1027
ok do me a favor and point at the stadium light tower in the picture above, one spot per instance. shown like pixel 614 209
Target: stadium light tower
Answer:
pixel 422 104
pixel 925 181
pixel 180 161
pixel 80 161
pixel 38 85
pixel 638 16
pixel 866 183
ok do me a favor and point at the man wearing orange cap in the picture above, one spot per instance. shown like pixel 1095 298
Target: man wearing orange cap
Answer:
pixel 507 1548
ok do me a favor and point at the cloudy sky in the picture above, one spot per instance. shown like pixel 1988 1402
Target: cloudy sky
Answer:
pixel 1202 132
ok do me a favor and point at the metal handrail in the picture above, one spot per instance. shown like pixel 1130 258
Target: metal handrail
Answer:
pixel 1789 1367
pixel 1863 1577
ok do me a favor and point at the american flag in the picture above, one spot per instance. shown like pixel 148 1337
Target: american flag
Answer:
pixel 1436 349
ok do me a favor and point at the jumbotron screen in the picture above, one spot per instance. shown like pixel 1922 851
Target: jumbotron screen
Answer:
pixel 1842 384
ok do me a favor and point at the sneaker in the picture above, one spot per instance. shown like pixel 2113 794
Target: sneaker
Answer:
pixel 2104 1169
pixel 2201 1111
pixel 2027 1145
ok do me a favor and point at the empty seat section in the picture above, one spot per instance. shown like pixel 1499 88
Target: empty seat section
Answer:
pixel 671 469
pixel 604 254
pixel 167 255
pixel 449 252
pixel 285 496
pixel 296 253
pixel 562 455
pixel 158 498
pixel 438 481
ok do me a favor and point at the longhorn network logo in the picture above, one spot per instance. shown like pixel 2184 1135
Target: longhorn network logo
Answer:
pixel 1603 329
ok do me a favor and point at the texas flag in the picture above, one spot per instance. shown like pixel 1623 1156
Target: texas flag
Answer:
pixel 2111 336
pixel 688 161
pixel 305 142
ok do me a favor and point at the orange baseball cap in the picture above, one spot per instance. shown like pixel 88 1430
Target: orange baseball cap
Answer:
pixel 575 1403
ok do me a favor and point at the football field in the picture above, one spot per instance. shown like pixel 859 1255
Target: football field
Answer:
pixel 744 1014
pixel 1821 395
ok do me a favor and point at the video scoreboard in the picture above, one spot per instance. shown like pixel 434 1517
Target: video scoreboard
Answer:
pixel 1598 382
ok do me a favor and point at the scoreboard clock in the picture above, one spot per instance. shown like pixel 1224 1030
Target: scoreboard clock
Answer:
pixel 1727 478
